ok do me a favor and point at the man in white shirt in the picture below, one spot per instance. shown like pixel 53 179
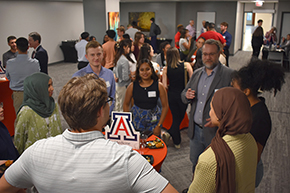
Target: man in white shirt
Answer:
pixel 81 50
pixel 81 159
pixel 132 30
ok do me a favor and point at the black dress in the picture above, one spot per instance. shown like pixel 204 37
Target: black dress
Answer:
pixel 176 77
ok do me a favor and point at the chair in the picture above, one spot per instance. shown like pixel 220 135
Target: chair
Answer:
pixel 276 57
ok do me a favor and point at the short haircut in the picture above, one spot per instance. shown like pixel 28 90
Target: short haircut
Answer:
pixel 122 29
pixel 111 33
pixel 152 19
pixel 92 37
pixel 11 38
pixel 179 26
pixel 211 25
pixel 93 44
pixel 126 36
pixel 260 20
pixel 85 35
pixel 22 44
pixel 134 23
pixel 225 24
pixel 35 36
pixel 81 99
pixel 213 42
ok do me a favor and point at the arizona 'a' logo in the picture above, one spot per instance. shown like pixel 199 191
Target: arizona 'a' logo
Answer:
pixel 122 128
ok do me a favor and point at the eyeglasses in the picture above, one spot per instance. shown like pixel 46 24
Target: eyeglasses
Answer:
pixel 109 101
pixel 210 54
pixel 1 105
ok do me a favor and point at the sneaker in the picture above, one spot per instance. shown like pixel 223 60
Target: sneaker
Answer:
pixel 166 137
pixel 177 146
pixel 185 190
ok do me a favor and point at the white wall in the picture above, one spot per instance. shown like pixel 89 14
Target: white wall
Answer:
pixel 55 21
pixel 111 6
pixel 239 27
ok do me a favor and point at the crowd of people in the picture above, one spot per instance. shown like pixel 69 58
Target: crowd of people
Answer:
pixel 229 124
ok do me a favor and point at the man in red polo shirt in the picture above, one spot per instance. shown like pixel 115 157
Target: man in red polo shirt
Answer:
pixel 212 34
pixel 177 35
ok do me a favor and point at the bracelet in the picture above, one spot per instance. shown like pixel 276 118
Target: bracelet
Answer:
pixel 159 125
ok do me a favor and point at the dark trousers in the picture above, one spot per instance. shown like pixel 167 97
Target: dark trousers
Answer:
pixel 154 43
pixel 256 50
pixel 82 64
pixel 178 109
pixel 227 53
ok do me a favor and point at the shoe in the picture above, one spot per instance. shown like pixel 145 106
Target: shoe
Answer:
pixel 177 146
pixel 166 137
pixel 185 190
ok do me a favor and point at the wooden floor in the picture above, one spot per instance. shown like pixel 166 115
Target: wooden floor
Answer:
pixel 177 166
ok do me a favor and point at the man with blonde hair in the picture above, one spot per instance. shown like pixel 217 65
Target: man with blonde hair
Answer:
pixel 94 54
pixel 81 159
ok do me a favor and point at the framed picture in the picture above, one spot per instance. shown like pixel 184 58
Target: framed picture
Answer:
pixel 142 19
pixel 114 21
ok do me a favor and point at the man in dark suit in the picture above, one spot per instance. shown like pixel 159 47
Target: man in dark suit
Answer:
pixel 39 52
pixel 199 92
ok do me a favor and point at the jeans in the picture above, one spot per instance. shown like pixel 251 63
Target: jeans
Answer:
pixel 197 145
pixel 259 173
pixel 154 43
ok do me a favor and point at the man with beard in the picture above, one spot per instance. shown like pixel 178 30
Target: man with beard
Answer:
pixel 199 92
pixel 12 53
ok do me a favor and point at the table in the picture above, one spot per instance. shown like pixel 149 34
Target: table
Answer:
pixel 69 51
pixel 9 112
pixel 158 154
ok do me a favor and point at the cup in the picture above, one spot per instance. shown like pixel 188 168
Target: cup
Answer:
pixel 143 140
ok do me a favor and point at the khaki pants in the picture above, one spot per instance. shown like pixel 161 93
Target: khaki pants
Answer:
pixel 17 97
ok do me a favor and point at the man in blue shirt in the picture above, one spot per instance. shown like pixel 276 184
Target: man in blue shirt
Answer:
pixel 94 54
pixel 228 37
pixel 18 69
pixel 199 92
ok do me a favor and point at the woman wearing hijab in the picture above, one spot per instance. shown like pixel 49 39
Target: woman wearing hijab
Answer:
pixel 38 116
pixel 229 164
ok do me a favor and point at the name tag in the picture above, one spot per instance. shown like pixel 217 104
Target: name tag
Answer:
pixel 151 94
pixel 108 84
pixel 224 37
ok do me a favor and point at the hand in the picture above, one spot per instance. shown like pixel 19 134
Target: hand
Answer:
pixel 190 37
pixel 190 94
pixel 225 44
pixel 157 130
pixel 209 123
pixel 149 38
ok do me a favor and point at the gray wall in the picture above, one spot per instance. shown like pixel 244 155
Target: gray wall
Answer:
pixel 188 10
pixel 95 18
pixel 165 16
pixel 284 6
pixel 169 14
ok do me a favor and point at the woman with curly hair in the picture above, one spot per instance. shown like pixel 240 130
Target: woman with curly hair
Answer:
pixel 264 76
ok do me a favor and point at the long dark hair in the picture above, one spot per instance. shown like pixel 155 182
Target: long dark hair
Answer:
pixel 144 52
pixel 260 74
pixel 140 62
pixel 119 48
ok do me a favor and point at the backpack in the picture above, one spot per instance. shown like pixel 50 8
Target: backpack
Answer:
pixel 157 30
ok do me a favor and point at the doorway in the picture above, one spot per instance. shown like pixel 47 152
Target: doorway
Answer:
pixel 250 21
